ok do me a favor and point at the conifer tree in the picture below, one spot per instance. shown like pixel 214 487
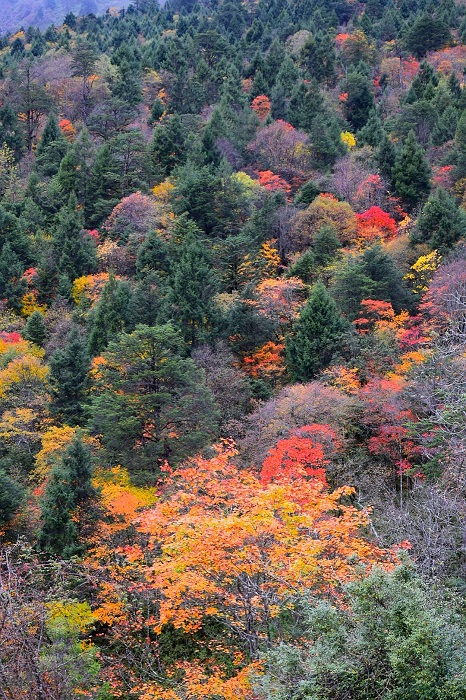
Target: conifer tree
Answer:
pixel 12 284
pixel 385 156
pixel 193 285
pixel 11 496
pixel 51 149
pixel 69 488
pixel 167 147
pixel 441 223
pixel 411 172
pixel 35 329
pixel 359 101
pixel 75 248
pixel 69 367
pixel 10 130
pixel 58 534
pixel 316 337
pixel 110 315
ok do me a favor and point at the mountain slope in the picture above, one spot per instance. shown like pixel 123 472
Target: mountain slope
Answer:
pixel 15 14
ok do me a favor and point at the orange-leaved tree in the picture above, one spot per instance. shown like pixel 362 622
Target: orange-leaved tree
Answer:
pixel 230 553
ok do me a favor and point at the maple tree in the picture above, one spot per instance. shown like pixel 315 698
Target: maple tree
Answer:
pixel 376 223
pixel 235 550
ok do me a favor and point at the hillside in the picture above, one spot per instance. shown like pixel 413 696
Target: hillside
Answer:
pixel 232 352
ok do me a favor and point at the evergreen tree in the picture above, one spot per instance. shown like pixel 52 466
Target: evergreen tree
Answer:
pixel 75 248
pixel 12 284
pixel 83 62
pixel 385 156
pixel 51 149
pixel 35 329
pixel 148 304
pixel 75 172
pixel 411 172
pixel 460 141
pixel 151 403
pixel 58 534
pixel 325 244
pixel 392 632
pixel 11 497
pixel 441 223
pixel 68 489
pixel 359 102
pixel 153 256
pixel 193 285
pixel 317 336
pixel 305 104
pixel 110 316
pixel 77 465
pixel 69 367
pixel 167 147
pixel 10 130
pixel 372 133
pixel 427 34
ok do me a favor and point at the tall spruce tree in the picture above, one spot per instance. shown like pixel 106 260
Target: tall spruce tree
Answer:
pixel 51 149
pixel 193 285
pixel 110 316
pixel 68 489
pixel 69 367
pixel 316 336
pixel 35 329
pixel 411 173
pixel 441 223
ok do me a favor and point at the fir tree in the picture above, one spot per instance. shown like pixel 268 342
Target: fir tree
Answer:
pixel 69 367
pixel 51 148
pixel 193 285
pixel 316 337
pixel 411 172
pixel 110 315
pixel 77 256
pixel 10 130
pixel 58 534
pixel 441 223
pixel 35 330
pixel 68 489
pixel 12 284
pixel 167 147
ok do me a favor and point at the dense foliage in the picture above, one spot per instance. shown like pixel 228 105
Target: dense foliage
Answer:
pixel 232 352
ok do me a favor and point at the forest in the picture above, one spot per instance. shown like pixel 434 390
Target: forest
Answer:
pixel 233 352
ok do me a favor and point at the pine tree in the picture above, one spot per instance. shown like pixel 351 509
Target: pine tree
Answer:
pixel 411 172
pixel 69 367
pixel 316 337
pixel 35 330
